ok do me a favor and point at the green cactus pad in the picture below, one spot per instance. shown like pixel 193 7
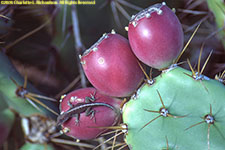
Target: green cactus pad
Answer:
pixel 188 101
pixel 8 91
pixel 32 146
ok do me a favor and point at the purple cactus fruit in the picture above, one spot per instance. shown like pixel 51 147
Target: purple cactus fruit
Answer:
pixel 84 128
pixel 111 66
pixel 156 36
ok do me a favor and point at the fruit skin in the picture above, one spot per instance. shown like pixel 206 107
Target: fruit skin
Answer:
pixel 156 36
pixel 182 96
pixel 104 116
pixel 111 66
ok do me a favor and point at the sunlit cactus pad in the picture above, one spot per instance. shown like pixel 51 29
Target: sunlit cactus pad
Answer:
pixel 177 112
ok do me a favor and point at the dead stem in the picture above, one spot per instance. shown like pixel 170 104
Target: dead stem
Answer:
pixel 114 141
pixel 123 11
pixel 101 140
pixel 115 13
pixel 31 32
pixel 189 28
pixel 132 6
pixel 63 141
pixel 5 17
pixel 117 145
pixel 194 12
pixel 78 44
pixel 108 140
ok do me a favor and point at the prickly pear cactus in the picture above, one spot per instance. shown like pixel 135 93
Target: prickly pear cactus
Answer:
pixel 9 90
pixel 178 111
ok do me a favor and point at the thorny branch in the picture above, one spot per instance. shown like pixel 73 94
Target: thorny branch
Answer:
pixel 78 44
pixel 31 32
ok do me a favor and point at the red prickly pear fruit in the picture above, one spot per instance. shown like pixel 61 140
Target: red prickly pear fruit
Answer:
pixel 87 125
pixel 156 36
pixel 111 66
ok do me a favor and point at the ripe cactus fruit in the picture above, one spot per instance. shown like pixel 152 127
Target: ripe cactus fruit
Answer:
pixel 178 110
pixel 156 36
pixel 111 66
pixel 85 119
